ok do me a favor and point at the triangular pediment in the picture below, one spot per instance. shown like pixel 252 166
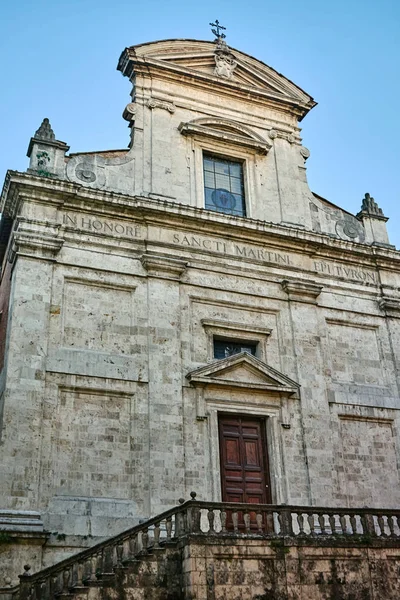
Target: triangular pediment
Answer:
pixel 243 370
pixel 193 56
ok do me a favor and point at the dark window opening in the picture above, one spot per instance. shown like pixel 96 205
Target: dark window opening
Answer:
pixel 223 349
pixel 223 185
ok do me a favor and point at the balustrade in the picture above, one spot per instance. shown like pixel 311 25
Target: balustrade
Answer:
pixel 211 519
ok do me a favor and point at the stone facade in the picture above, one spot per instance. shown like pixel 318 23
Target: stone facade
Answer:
pixel 116 282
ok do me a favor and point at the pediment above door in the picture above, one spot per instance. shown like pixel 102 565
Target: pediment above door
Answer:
pixel 243 371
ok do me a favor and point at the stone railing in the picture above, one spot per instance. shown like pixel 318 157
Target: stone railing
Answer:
pixel 207 519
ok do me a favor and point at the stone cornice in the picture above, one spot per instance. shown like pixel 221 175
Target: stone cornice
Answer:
pixel 71 196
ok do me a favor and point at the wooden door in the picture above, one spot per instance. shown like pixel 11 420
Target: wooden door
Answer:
pixel 244 461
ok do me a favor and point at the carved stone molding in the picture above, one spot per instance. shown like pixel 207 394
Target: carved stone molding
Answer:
pixel 391 306
pixel 163 267
pixel 155 103
pixel 239 138
pixel 31 244
pixel 240 374
pixel 302 291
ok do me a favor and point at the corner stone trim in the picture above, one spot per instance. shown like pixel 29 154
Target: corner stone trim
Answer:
pixel 164 267
pixel 302 291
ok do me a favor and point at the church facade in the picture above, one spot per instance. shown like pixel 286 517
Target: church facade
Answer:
pixel 187 315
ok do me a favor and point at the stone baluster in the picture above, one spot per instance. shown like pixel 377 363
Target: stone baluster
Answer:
pixel 391 525
pixel 211 519
pixel 300 522
pixel 119 550
pixel 126 552
pixel 145 539
pixel 321 522
pixel 235 521
pixel 353 524
pixel 311 523
pixel 332 523
pixel 269 523
pixel 92 564
pixel 66 579
pixel 133 545
pixel 246 519
pixel 157 531
pixel 368 524
pixel 168 528
pixel 259 521
pixel 397 517
pixel 343 523
pixel 223 517
pixel 79 573
pixel 52 586
pixel 381 523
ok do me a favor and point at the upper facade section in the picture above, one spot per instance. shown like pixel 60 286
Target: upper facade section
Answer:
pixel 218 69
pixel 214 129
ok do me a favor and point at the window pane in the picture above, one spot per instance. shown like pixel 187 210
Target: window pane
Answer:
pixel 223 349
pixel 209 179
pixel 235 169
pixel 221 167
pixel 223 186
pixel 208 165
pixel 222 181
pixel 236 185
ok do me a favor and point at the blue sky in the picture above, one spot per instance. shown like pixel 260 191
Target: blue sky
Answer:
pixel 58 59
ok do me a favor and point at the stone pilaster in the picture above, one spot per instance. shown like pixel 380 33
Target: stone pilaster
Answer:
pixel 306 331
pixel 166 475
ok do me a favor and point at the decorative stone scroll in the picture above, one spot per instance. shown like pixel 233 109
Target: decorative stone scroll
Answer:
pixel 129 112
pixel 155 103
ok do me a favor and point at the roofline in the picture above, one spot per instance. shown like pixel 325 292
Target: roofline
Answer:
pixel 231 48
pixel 332 204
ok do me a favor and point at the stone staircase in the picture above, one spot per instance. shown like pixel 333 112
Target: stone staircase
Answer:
pixel 212 551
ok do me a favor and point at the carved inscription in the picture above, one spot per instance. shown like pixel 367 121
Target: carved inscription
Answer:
pixel 346 272
pixel 96 225
pixel 230 248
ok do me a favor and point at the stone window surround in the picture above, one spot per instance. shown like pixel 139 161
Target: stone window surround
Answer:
pixel 235 332
pixel 230 151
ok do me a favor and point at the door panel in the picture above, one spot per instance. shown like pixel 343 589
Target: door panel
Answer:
pixel 244 461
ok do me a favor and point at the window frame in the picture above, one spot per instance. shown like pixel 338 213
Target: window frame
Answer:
pixel 235 333
pixel 248 159
pixel 239 161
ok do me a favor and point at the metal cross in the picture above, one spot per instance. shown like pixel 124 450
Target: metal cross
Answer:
pixel 218 27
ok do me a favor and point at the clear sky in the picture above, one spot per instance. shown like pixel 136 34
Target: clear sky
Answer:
pixel 58 60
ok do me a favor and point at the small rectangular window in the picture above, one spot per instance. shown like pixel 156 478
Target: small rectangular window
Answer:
pixel 223 349
pixel 223 185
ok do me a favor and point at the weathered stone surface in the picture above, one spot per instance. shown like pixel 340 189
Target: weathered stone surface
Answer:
pixel 116 282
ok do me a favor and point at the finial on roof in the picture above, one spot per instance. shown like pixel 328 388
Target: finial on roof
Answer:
pixel 370 206
pixel 219 35
pixel 45 131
